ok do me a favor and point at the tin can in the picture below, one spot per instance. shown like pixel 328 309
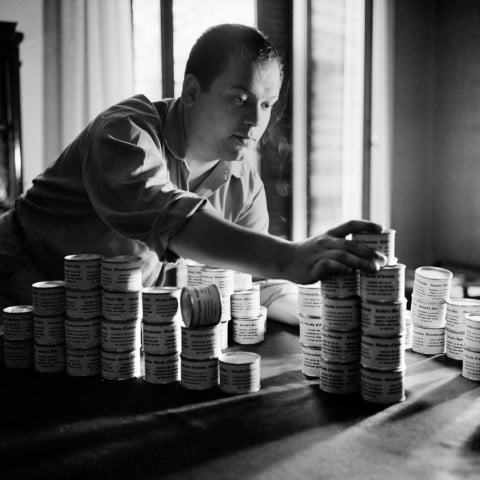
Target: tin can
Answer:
pixel 122 273
pixel 428 341
pixel 161 305
pixel 456 310
pixel 383 242
pixel 471 340
pixel 220 277
pixel 82 333
pixel 383 319
pixel 121 306
pixel 194 273
pixel 49 358
pixel 249 331
pixel 309 330
pixel 340 286
pixel 432 284
pixel 83 303
pixel 201 342
pixel 310 300
pixel 83 271
pixel 121 336
pixel 161 338
pixel 120 365
pixel 311 357
pixel 471 365
pixel 239 372
pixel 341 314
pixel 242 281
pixel 18 353
pixel 199 374
pixel 382 353
pixel 18 322
pixel 245 303
pixel 48 298
pixel 428 315
pixel 339 378
pixel 162 369
pixel 383 387
pixel 386 285
pixel 200 306
pixel 49 330
pixel 454 344
pixel 83 363
pixel 340 347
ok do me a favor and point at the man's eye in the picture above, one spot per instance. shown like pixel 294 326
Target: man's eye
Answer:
pixel 240 99
pixel 267 106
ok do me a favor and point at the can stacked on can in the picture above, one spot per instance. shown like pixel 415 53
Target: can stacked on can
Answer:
pixel 383 323
pixel 83 295
pixel 18 336
pixel 161 334
pixel 340 335
pixel 48 302
pixel 121 325
pixel 471 347
pixel 309 319
pixel 431 290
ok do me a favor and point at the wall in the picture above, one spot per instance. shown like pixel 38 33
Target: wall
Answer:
pixel 28 15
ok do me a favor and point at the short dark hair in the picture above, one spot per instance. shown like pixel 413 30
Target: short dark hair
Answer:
pixel 214 49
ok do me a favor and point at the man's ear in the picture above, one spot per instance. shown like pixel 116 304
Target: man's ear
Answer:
pixel 190 90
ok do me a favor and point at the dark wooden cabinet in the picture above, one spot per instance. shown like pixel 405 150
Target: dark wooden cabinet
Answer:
pixel 10 121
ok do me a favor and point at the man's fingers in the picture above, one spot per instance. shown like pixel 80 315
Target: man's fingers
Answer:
pixel 355 226
pixel 352 261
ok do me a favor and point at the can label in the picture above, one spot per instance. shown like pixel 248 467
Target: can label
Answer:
pixel 18 354
pixel 245 304
pixel 310 300
pixel 428 341
pixel 83 363
pixel 161 305
pixel 341 314
pixel 428 315
pixel 161 339
pixel 239 372
pixel 340 347
pixel 83 304
pixel 201 306
pixel 223 279
pixel 432 284
pixel 201 374
pixel 249 331
pixel 382 353
pixel 120 365
pixel 121 336
pixel 223 326
pixel 471 365
pixel 454 344
pixel 226 307
pixel 386 285
pixel 340 286
pixel 311 357
pixel 49 330
pixel 122 273
pixel 83 271
pixel 456 311
pixel 82 333
pixel 339 378
pixel 383 387
pixel 408 331
pixel 18 322
pixel 383 242
pixel 49 358
pixel 162 369
pixel 309 330
pixel 120 306
pixel 48 298
pixel 202 342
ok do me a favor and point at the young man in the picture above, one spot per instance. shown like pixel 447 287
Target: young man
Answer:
pixel 172 179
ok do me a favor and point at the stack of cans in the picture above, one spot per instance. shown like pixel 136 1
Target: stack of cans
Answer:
pixel 83 295
pixel 161 334
pixel 201 336
pixel 471 347
pixel 383 324
pixel 431 290
pixel 48 301
pixel 122 317
pixel 18 336
pixel 309 320
pixel 340 335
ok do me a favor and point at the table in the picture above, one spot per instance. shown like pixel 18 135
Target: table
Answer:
pixel 55 426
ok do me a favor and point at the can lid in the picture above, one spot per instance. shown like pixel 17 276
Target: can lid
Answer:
pixel 239 358
pixel 472 317
pixel 463 302
pixel 18 309
pixel 83 257
pixel 160 290
pixel 49 284
pixel 433 272
pixel 122 259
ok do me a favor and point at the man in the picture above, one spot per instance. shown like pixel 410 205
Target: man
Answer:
pixel 172 179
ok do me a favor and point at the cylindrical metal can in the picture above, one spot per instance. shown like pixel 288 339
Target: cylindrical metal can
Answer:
pixel 239 372
pixel 383 387
pixel 201 342
pixel 201 306
pixel 311 357
pixel 83 363
pixel 120 365
pixel 48 298
pixel 309 330
pixel 339 378
pixel 428 341
pixel 471 365
pixel 340 286
pixel 121 306
pixel 248 331
pixel 18 354
pixel 383 242
pixel 428 315
pixel 471 340
pixel 83 271
pixel 341 314
pixel 383 319
pixel 310 299
pixel 121 336
pixel 49 330
pixel 49 358
pixel 457 308
pixel 383 353
pixel 82 333
pixel 161 305
pixel 241 281
pixel 454 344
pixel 83 303
pixel 122 273
pixel 340 347
pixel 194 273
pixel 162 369
pixel 386 285
pixel 18 322
pixel 199 374
pixel 245 303
pixel 220 277
pixel 432 284
pixel 162 338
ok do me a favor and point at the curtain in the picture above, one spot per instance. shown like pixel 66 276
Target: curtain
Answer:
pixel 88 64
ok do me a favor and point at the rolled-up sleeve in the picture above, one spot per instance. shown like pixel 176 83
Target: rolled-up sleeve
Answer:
pixel 126 176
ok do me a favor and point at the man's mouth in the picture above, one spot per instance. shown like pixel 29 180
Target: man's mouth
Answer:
pixel 244 140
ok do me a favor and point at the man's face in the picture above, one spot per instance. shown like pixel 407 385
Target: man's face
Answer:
pixel 229 118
